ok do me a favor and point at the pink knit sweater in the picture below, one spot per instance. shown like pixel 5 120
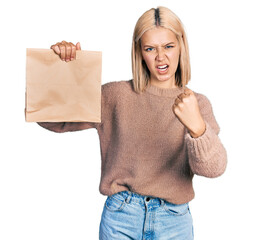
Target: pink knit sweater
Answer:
pixel 145 148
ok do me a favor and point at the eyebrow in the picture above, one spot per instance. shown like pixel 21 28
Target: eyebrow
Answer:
pixel 151 45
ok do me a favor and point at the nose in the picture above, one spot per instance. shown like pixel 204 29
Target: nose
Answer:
pixel 160 54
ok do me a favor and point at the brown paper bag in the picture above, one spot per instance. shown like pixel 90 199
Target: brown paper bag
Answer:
pixel 59 91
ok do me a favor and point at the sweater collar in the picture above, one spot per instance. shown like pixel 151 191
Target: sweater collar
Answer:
pixel 165 92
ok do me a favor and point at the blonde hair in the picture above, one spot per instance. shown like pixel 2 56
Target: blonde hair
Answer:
pixel 159 17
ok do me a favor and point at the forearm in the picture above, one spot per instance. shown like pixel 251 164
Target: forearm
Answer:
pixel 207 155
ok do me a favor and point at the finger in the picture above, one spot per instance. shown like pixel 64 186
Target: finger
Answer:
pixel 180 96
pixel 73 51
pixel 183 96
pixel 78 46
pixel 175 108
pixel 56 49
pixel 68 51
pixel 63 51
pixel 187 91
pixel 177 101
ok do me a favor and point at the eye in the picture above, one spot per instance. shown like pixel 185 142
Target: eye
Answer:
pixel 169 46
pixel 149 49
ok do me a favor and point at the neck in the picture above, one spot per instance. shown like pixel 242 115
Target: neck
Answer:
pixel 164 84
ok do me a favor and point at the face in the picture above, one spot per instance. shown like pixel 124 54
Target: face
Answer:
pixel 160 51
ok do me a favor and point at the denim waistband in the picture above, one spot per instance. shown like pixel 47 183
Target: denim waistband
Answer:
pixel 135 197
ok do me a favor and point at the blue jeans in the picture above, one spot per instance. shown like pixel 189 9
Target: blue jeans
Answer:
pixel 128 215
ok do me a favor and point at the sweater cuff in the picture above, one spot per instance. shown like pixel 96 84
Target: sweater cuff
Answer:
pixel 202 146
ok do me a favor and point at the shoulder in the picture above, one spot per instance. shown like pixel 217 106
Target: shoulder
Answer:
pixel 113 92
pixel 201 97
pixel 204 102
pixel 117 88
pixel 117 85
pixel 206 110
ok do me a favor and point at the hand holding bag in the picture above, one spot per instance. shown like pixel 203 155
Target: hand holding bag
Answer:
pixel 59 91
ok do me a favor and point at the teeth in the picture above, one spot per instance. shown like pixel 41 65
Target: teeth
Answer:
pixel 164 66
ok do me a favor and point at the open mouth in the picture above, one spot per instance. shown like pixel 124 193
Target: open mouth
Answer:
pixel 162 68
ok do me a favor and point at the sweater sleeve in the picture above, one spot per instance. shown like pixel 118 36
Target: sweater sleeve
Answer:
pixel 207 155
pixel 61 127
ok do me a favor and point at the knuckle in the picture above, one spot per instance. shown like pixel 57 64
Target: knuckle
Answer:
pixel 177 100
pixel 180 105
pixel 176 110
pixel 62 47
pixel 54 45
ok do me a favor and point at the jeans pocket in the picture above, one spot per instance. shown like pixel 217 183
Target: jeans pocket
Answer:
pixel 176 209
pixel 115 202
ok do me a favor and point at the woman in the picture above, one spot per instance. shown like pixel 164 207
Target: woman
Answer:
pixel 155 134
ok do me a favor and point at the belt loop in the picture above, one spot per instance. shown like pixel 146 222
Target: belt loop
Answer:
pixel 128 197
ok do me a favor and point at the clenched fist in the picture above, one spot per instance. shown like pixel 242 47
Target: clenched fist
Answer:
pixel 186 109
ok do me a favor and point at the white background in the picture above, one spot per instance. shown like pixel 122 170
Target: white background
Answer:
pixel 49 182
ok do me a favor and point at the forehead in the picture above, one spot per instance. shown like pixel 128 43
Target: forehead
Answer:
pixel 158 35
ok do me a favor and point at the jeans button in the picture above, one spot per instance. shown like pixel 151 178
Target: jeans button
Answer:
pixel 147 199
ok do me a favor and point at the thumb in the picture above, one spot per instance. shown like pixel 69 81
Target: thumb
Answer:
pixel 78 46
pixel 56 49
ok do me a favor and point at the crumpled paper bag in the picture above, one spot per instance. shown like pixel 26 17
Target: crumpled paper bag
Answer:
pixel 59 91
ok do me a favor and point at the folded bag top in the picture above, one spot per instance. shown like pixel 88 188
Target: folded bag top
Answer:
pixel 59 91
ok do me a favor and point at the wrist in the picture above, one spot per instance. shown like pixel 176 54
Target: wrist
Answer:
pixel 198 132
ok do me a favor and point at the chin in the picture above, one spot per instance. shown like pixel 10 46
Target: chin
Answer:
pixel 163 78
